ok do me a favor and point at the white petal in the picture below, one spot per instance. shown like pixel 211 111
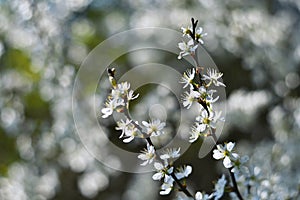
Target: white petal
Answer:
pixel 188 170
pixel 158 166
pixel 227 162
pixel 198 196
pixel 145 123
pixel 145 163
pixel 127 140
pixel 230 146
pixel 165 192
pixel 218 155
pixel 182 45
pixel 190 42
pixel 157 176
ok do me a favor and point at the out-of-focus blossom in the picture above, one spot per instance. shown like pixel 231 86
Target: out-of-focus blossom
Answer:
pixel 219 188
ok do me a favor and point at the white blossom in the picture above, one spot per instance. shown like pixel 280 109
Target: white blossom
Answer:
pixel 167 186
pixel 130 95
pixel 122 125
pixel 225 153
pixel 202 196
pixel 147 155
pixel 199 35
pixel 154 127
pixel 211 119
pixel 110 106
pixel 129 130
pixel 190 97
pixel 186 31
pixel 197 130
pixel 188 48
pixel 123 87
pixel 188 78
pixel 130 133
pixel 207 95
pixel 219 188
pixel 162 170
pixel 170 153
pixel 183 172
pixel 213 76
pixel 239 168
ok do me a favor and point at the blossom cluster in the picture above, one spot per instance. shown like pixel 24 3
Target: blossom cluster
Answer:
pixel 201 90
pixel 118 101
pixel 199 86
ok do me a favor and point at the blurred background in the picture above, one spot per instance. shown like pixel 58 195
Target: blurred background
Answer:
pixel 256 45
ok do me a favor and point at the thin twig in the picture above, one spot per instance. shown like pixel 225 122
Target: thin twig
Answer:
pixel 182 187
pixel 235 186
pixel 149 141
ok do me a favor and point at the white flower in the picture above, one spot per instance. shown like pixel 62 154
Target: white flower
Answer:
pixel 186 48
pixel 167 186
pixel 183 172
pixel 239 168
pixel 110 106
pixel 225 153
pixel 190 97
pixel 186 31
pixel 123 87
pixel 130 95
pixel 147 155
pixel 188 77
pixel 130 133
pixel 129 130
pixel 154 127
pixel 199 35
pixel 122 91
pixel 207 95
pixel 211 120
pixel 162 170
pixel 170 153
pixel 123 126
pixel 213 76
pixel 219 188
pixel 197 130
pixel 255 176
pixel 202 196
